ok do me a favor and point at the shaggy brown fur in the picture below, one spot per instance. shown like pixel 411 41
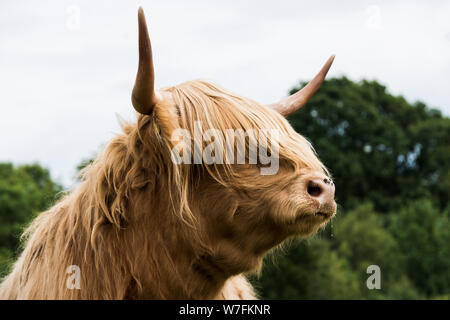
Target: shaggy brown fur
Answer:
pixel 140 226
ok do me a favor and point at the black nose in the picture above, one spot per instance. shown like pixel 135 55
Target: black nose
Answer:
pixel 322 190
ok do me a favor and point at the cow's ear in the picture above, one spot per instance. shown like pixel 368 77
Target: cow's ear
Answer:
pixel 166 115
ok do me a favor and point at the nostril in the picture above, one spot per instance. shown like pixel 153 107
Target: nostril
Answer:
pixel 314 189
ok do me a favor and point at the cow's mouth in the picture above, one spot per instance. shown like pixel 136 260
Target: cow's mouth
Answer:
pixel 323 214
pixel 319 216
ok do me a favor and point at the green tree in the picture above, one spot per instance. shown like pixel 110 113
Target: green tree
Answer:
pixel 24 192
pixel 362 240
pixel 310 270
pixel 423 235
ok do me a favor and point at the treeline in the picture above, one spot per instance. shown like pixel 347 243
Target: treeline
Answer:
pixel 25 191
pixel 390 161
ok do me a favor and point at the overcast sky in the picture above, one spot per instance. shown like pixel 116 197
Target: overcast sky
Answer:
pixel 67 67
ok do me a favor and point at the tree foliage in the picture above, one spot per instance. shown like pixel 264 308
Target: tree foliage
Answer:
pixel 24 192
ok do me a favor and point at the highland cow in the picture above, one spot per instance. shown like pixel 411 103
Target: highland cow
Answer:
pixel 141 226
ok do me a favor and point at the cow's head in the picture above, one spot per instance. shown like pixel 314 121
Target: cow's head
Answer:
pixel 240 208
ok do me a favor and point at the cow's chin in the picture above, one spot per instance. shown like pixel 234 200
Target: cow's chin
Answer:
pixel 307 224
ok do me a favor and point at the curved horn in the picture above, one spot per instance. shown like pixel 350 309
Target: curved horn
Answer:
pixel 289 105
pixel 143 96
